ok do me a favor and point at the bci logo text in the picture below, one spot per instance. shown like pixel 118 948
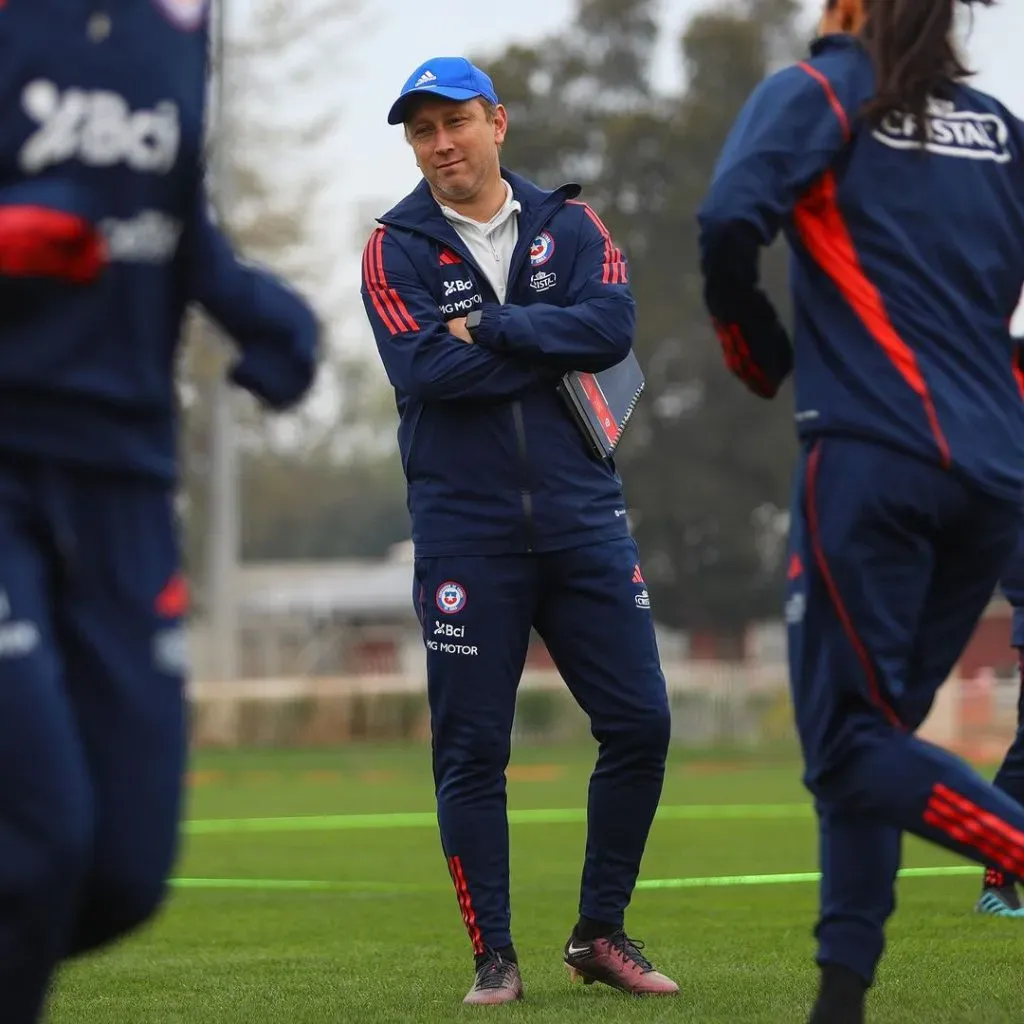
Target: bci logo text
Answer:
pixel 99 128
pixel 447 629
pixel 451 287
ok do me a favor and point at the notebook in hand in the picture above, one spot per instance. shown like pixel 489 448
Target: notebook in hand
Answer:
pixel 602 403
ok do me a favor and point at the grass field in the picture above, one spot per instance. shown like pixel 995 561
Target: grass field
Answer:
pixel 311 889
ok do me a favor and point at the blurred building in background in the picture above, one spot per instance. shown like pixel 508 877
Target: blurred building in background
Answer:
pixel 333 651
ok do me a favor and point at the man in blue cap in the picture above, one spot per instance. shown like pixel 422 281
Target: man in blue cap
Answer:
pixel 482 291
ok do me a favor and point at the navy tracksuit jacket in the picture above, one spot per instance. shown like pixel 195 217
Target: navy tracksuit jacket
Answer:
pixel 516 526
pixel 105 238
pixel 907 267
pixel 494 463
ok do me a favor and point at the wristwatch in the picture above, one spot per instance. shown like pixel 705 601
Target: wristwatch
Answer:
pixel 473 321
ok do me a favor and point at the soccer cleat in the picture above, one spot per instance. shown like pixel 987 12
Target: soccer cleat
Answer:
pixel 616 960
pixel 999 897
pixel 497 981
pixel 1003 902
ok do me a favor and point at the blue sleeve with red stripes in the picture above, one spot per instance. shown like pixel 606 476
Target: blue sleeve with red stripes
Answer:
pixel 422 358
pixel 593 331
pixel 787 135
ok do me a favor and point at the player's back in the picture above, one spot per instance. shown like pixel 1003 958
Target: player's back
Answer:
pixel 909 264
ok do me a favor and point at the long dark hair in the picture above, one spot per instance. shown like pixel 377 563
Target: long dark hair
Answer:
pixel 915 54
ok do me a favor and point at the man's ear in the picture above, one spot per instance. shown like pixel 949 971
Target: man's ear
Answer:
pixel 842 16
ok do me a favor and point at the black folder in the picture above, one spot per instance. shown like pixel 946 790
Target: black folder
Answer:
pixel 602 403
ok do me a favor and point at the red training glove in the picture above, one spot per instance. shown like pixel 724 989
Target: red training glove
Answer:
pixel 36 241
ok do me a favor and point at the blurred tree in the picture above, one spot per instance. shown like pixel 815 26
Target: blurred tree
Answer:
pixel 706 465
pixel 274 92
pixel 314 506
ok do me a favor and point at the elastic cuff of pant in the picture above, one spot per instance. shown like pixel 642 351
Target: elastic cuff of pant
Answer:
pixel 587 928
pixel 505 952
pixel 615 918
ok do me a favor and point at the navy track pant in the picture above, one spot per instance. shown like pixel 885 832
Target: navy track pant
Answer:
pixel 892 563
pixel 591 607
pixel 1010 777
pixel 92 724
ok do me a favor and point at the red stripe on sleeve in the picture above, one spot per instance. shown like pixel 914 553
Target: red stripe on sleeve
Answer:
pixel 833 99
pixel 390 306
pixel 614 270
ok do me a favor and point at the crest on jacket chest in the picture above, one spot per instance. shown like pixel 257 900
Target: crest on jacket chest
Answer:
pixel 542 248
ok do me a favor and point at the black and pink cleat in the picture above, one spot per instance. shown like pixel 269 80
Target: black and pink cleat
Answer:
pixel 616 960
pixel 497 981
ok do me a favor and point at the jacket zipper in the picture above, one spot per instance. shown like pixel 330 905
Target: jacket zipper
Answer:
pixel 524 493
pixel 517 406
pixel 518 420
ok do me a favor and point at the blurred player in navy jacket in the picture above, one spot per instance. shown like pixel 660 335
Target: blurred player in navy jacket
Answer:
pixel 901 193
pixel 105 239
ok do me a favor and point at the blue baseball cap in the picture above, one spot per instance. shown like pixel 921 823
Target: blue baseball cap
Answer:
pixel 454 78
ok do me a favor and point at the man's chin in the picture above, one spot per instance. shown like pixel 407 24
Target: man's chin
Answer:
pixel 459 191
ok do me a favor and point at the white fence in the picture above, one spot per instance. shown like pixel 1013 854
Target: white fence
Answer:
pixel 714 705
